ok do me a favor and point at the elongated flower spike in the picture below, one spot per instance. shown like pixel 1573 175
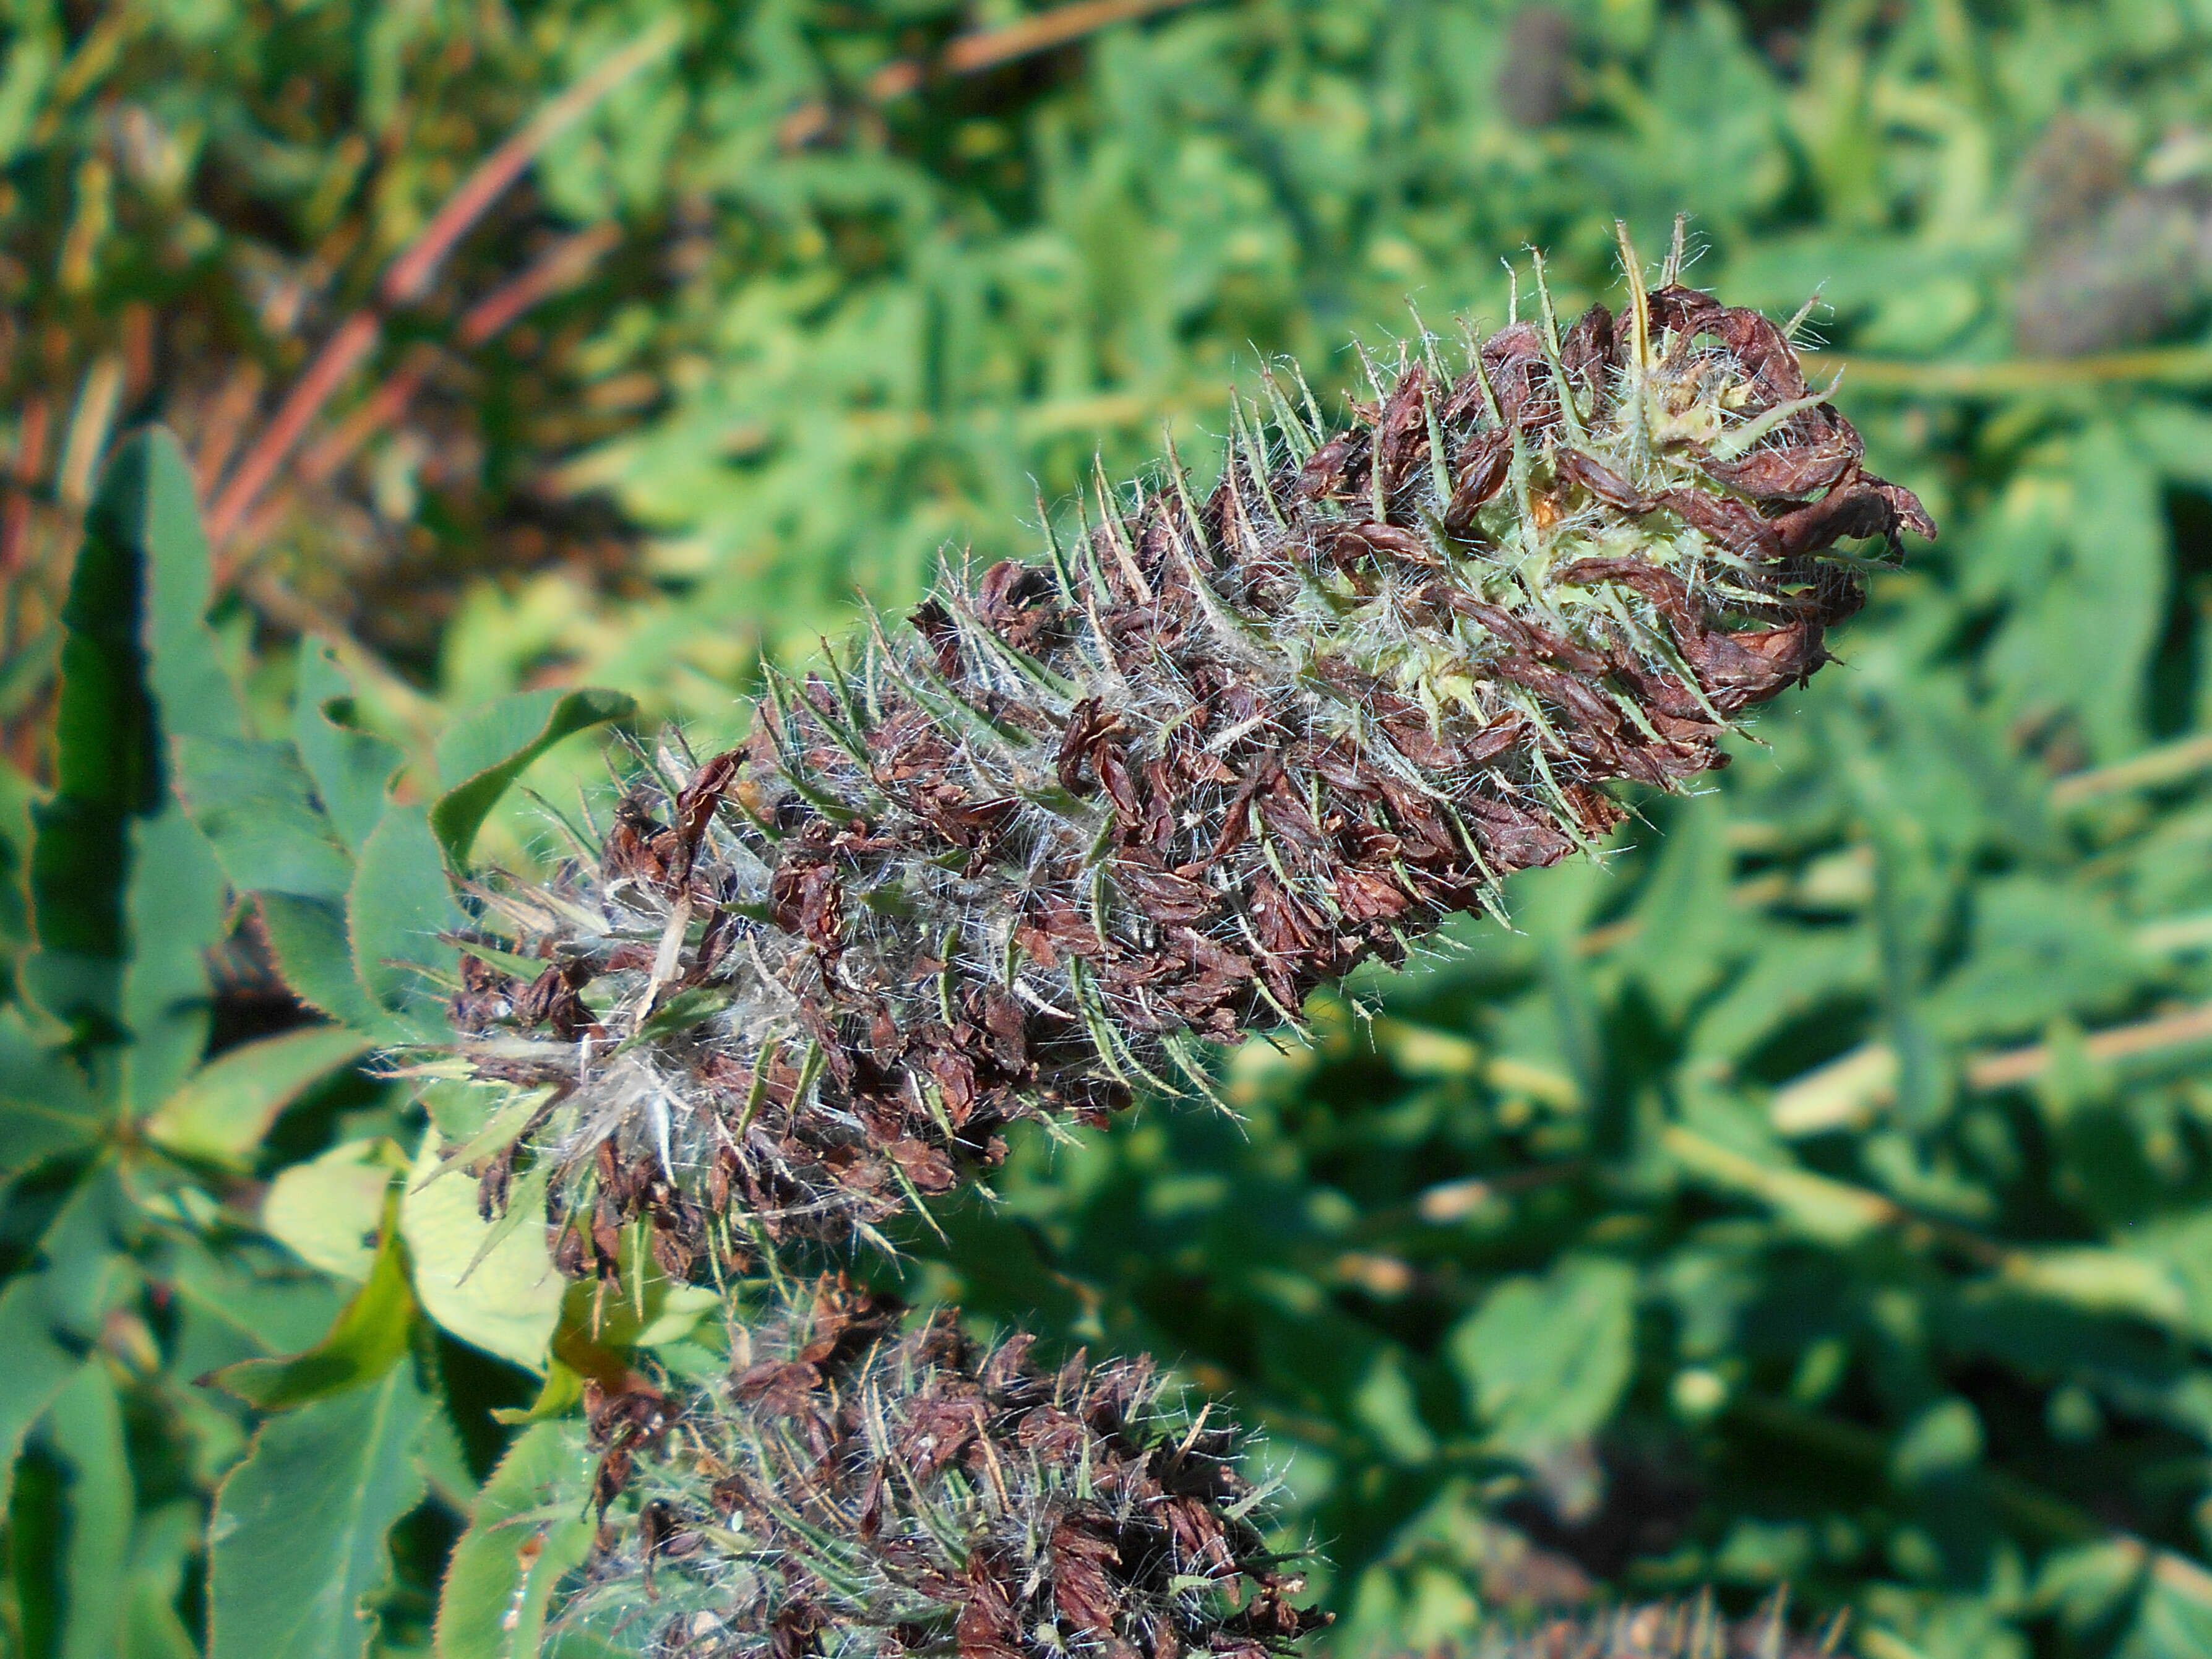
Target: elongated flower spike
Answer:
pixel 848 1488
pixel 1012 861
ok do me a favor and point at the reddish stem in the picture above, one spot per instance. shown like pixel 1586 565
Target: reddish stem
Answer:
pixel 562 266
pixel 987 48
pixel 376 411
pixel 407 279
pixel 341 354
pixel 411 275
pixel 227 414
pixel 30 456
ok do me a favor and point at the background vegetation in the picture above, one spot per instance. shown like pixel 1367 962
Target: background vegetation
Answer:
pixel 1819 1192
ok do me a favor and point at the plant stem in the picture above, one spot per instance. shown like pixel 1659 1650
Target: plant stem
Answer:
pixel 406 280
pixel 2165 366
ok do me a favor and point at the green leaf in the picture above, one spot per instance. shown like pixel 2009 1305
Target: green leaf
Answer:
pixel 2111 587
pixel 297 1547
pixel 50 1315
pixel 327 1211
pixel 396 913
pixel 255 804
pixel 85 1268
pixel 240 1302
pixel 225 1108
pixel 476 1119
pixel 147 502
pixel 34 55
pixel 46 1106
pixel 1386 1405
pixel 680 1013
pixel 2178 1249
pixel 86 1430
pixel 484 751
pixel 352 768
pixel 18 794
pixel 443 1462
pixel 1819 1206
pixel 162 1546
pixel 494 1603
pixel 2085 1582
pixel 314 954
pixel 598 1332
pixel 492 1283
pixel 37 1517
pixel 1945 1439
pixel 2175 1613
pixel 2175 437
pixel 1686 931
pixel 1545 1359
pixel 562 1390
pixel 371 1335
pixel 138 660
pixel 2127 1282
pixel 106 771
pixel 177 916
pixel 2040 949
pixel 75 973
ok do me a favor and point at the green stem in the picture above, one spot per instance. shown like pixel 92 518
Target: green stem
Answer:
pixel 2184 366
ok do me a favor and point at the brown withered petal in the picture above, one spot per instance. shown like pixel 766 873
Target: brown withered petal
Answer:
pixel 928 1492
pixel 1010 862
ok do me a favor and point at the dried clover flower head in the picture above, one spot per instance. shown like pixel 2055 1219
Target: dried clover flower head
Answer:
pixel 851 1489
pixel 1658 1632
pixel 1011 862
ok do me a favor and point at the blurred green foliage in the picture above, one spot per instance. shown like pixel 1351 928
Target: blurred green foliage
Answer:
pixel 1819 1192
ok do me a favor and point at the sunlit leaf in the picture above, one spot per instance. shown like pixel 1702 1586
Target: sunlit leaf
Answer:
pixel 489 1283
pixel 297 1549
pixel 398 914
pixel 528 1529
pixel 328 1210
pixel 351 768
pixel 227 1107
pixel 484 751
pixel 1545 1358
pixel 254 802
pixel 370 1337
